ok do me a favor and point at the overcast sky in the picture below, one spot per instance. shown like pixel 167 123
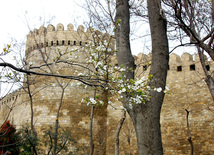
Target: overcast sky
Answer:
pixel 17 16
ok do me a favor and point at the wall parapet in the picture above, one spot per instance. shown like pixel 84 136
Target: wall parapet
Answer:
pixel 184 63
pixel 51 36
pixel 10 97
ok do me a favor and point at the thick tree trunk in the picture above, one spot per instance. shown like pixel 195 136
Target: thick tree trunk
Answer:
pixel 100 114
pixel 147 128
pixel 159 67
pixel 145 117
pixel 122 32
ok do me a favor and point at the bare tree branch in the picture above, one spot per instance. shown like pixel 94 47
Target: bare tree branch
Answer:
pixel 189 133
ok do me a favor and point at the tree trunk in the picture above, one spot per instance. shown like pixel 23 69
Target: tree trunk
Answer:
pixel 100 114
pixel 189 134
pixel 33 131
pixel 145 117
pixel 209 79
pixel 91 131
pixel 57 123
pixel 122 32
pixel 117 135
pixel 147 124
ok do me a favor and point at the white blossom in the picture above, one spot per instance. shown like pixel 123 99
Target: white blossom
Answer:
pixel 109 102
pixel 123 90
pixel 119 91
pixel 112 91
pixel 99 64
pixel 105 67
pixel 138 82
pixel 158 89
pixel 79 83
pixel 101 102
pixel 92 100
pixel 120 81
pixel 122 70
pixel 166 89
pixel 31 63
pixel 130 106
pixel 122 107
pixel 80 74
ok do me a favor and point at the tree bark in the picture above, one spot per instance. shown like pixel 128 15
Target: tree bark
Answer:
pixel 122 33
pixel 57 123
pixel 189 134
pixel 208 78
pixel 100 114
pixel 91 131
pixel 145 117
pixel 33 131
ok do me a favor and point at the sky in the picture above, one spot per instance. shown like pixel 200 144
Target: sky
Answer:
pixel 19 16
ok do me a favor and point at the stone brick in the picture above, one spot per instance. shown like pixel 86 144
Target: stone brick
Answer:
pixel 185 80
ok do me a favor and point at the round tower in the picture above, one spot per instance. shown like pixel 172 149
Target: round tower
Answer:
pixel 59 51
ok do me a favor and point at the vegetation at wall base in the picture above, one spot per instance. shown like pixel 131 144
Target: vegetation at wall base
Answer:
pixel 9 139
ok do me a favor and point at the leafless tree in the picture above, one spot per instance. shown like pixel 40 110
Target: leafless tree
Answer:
pixel 192 22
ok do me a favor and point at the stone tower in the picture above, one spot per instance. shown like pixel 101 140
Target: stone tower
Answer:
pixel 47 46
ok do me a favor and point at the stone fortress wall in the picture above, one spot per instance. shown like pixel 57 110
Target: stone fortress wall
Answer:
pixel 185 80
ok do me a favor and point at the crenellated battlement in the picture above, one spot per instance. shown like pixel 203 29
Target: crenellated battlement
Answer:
pixel 184 63
pixel 51 36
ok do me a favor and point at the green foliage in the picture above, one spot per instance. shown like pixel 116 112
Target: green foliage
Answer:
pixel 6 50
pixel 29 140
pixel 64 142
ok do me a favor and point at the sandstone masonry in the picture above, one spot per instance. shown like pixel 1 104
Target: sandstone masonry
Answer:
pixel 185 80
